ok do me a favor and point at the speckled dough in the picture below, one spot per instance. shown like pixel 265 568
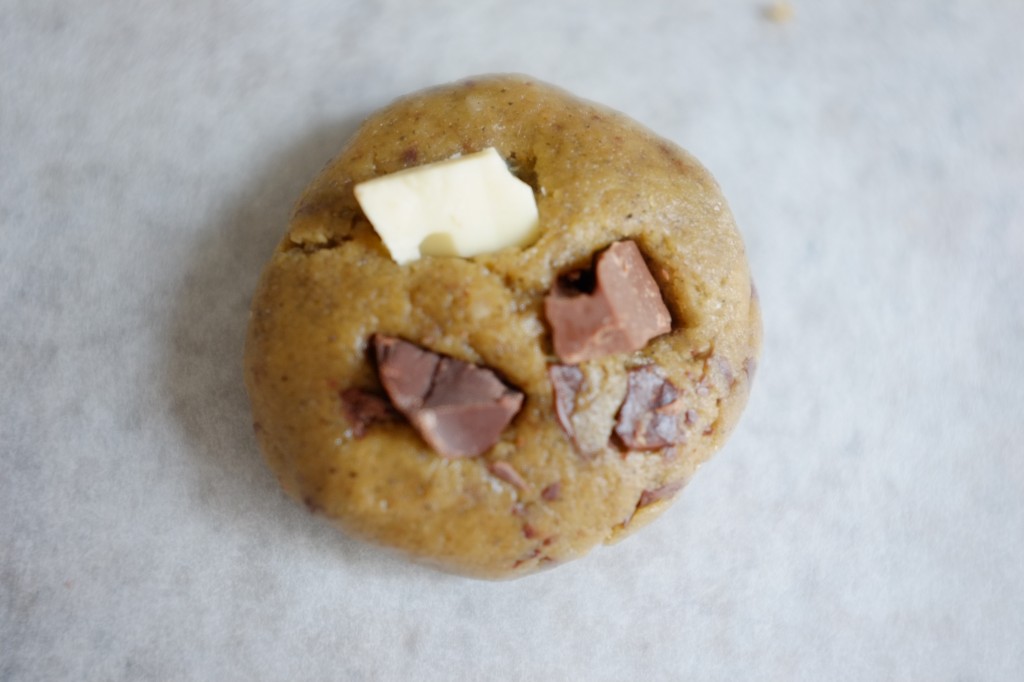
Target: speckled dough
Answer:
pixel 533 500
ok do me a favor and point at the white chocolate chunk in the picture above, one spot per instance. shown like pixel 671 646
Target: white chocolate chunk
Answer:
pixel 464 207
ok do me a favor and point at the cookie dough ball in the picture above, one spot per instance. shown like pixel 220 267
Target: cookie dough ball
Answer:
pixel 598 443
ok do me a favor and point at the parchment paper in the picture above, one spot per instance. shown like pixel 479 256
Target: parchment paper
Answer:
pixel 864 523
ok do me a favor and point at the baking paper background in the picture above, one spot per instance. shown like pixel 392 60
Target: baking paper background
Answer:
pixel 865 522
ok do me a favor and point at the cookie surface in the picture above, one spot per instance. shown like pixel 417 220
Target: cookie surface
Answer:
pixel 538 497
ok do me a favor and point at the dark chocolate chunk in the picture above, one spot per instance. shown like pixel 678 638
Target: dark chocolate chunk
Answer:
pixel 460 409
pixel 624 311
pixel 649 416
pixel 566 380
pixel 364 409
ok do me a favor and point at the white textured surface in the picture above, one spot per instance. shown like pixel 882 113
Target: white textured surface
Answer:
pixel 866 522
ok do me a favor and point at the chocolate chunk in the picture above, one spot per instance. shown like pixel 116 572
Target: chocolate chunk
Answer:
pixel 660 493
pixel 750 368
pixel 406 371
pixel 566 380
pixel 532 555
pixel 724 369
pixel 624 311
pixel 507 473
pixel 552 492
pixel 649 416
pixel 364 409
pixel 460 409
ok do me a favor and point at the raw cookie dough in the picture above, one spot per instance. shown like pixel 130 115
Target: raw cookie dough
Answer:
pixel 555 485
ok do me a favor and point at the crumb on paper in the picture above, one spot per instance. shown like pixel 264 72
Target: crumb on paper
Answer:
pixel 778 12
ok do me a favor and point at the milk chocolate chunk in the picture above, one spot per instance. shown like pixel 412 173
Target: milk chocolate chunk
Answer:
pixel 566 380
pixel 551 492
pixel 624 311
pixel 750 368
pixel 507 473
pixel 458 408
pixel 650 415
pixel 664 492
pixel 364 409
